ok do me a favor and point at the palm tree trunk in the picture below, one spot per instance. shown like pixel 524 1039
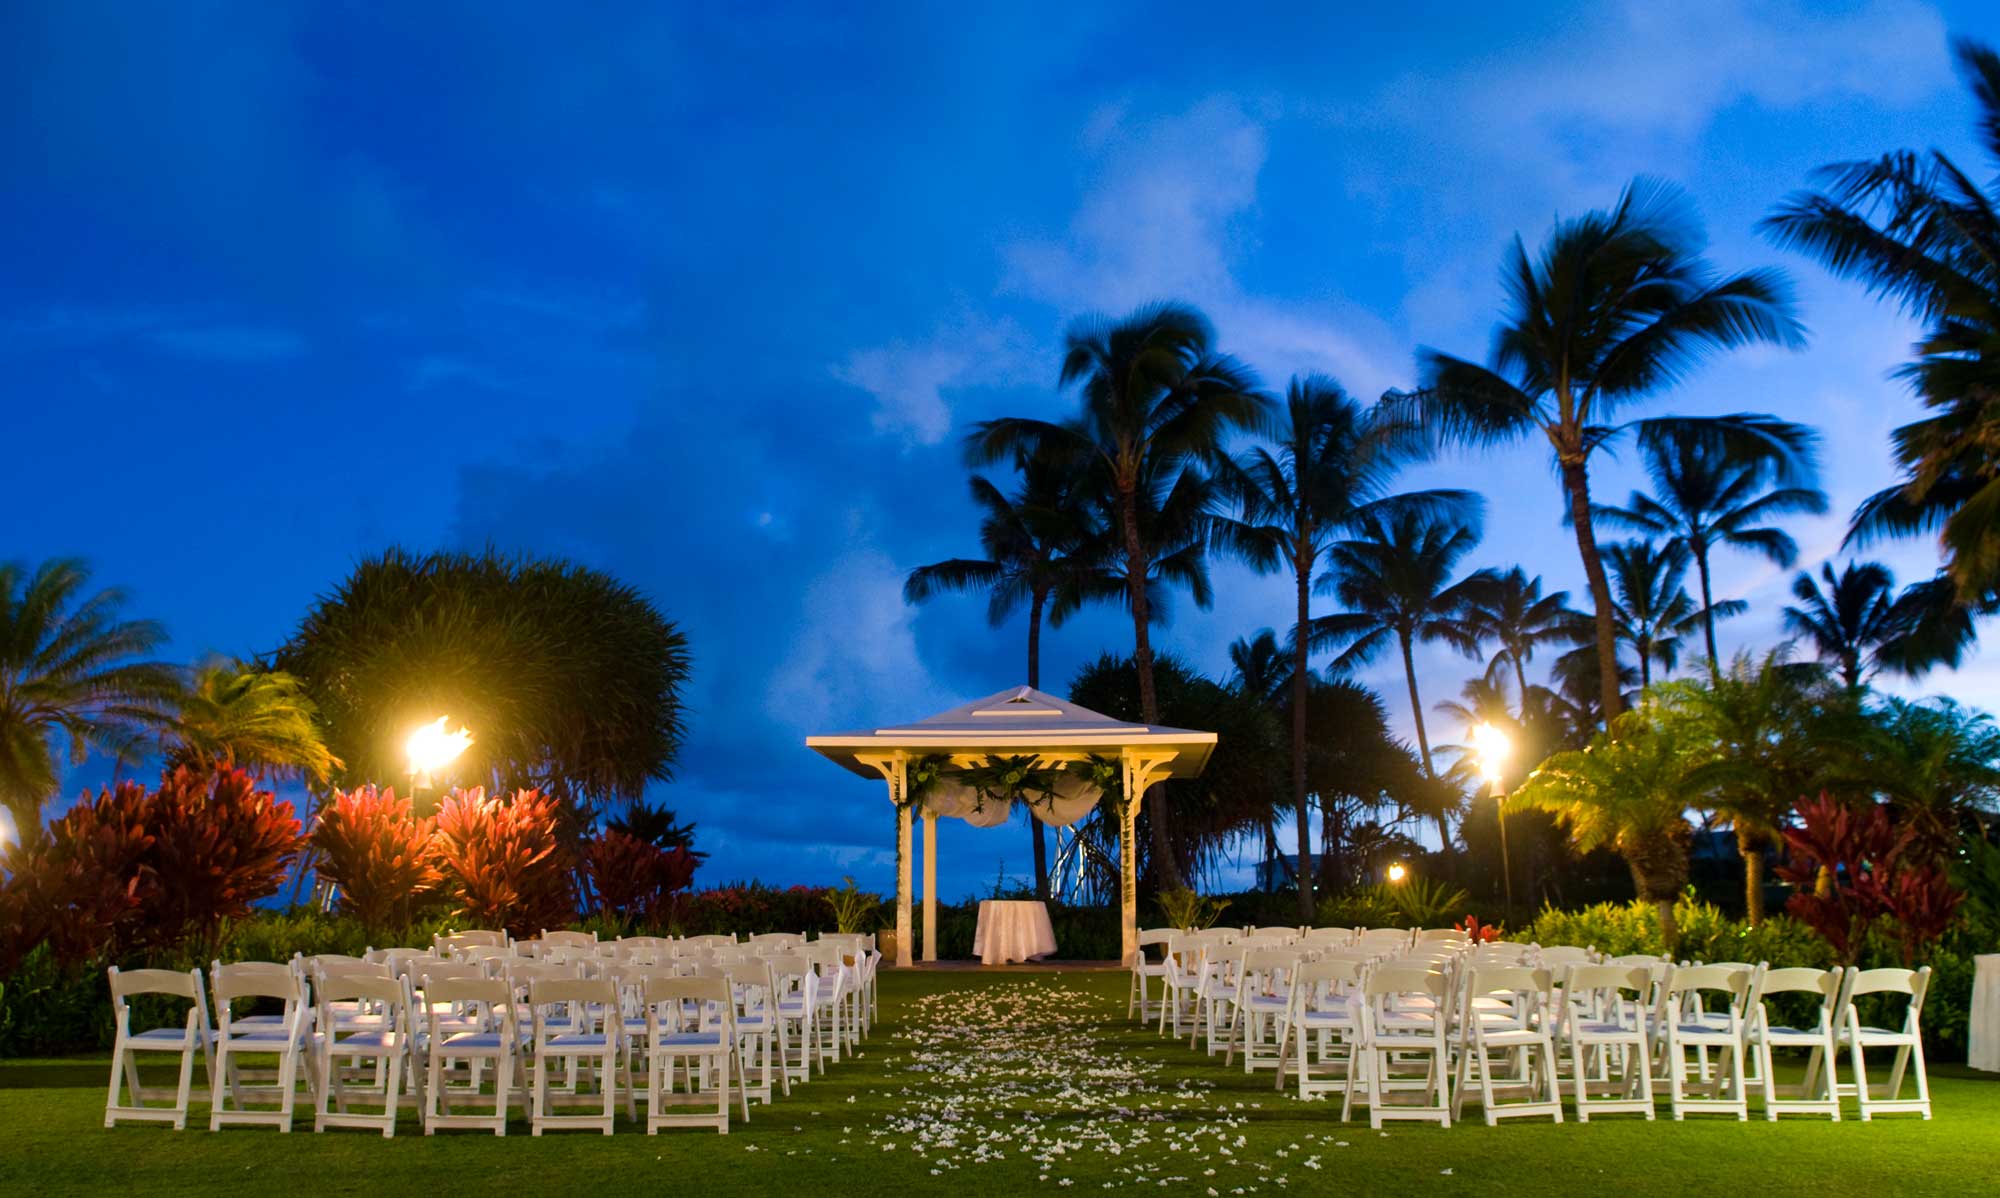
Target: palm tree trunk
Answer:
pixel 1423 737
pixel 1748 846
pixel 1576 482
pixel 1707 606
pixel 1035 827
pixel 1303 573
pixel 1521 682
pixel 1166 867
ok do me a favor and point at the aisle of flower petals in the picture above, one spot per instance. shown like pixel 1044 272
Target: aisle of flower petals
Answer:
pixel 1039 1072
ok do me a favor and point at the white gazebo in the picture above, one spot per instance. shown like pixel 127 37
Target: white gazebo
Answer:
pixel 1017 722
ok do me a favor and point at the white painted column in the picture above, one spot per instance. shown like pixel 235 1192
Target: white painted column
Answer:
pixel 930 886
pixel 1128 863
pixel 903 848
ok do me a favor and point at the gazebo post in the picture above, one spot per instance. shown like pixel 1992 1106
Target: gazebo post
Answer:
pixel 897 773
pixel 1128 862
pixel 930 886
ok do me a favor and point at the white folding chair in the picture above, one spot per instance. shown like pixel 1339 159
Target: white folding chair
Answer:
pixel 1403 1014
pixel 1605 1018
pixel 1145 968
pixel 494 1039
pixel 1320 1024
pixel 1908 1041
pixel 1214 992
pixel 344 1044
pixel 192 1038
pixel 577 1021
pixel 1508 1009
pixel 285 1035
pixel 691 1036
pixel 1257 1009
pixel 1693 1021
pixel 1763 1037
pixel 793 986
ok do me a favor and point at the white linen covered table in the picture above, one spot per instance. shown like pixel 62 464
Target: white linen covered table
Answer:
pixel 1010 930
pixel 1983 1050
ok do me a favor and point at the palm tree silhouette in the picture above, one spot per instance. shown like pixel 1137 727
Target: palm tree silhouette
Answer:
pixel 1851 621
pixel 1616 306
pixel 1043 547
pixel 1395 577
pixel 1713 491
pixel 1158 405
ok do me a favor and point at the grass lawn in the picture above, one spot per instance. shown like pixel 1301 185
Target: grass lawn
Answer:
pixel 969 1079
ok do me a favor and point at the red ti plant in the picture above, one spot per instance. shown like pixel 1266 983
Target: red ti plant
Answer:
pixel 1853 866
pixel 380 853
pixel 504 861
pixel 634 879
pixel 219 845
pixel 1478 933
pixel 82 887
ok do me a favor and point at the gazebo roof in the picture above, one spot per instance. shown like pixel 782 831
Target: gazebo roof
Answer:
pixel 1017 720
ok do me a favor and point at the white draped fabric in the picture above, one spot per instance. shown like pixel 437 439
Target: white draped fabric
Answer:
pixel 1073 800
pixel 1010 931
pixel 1983 1052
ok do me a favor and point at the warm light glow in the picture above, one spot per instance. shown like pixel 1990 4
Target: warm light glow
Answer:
pixel 432 748
pixel 1492 746
pixel 1397 872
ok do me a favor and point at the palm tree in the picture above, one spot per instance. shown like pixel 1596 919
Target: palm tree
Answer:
pixel 237 714
pixel 1630 792
pixel 1653 609
pixel 1261 668
pixel 1915 227
pixel 1332 466
pixel 1510 610
pixel 1159 403
pixel 1618 305
pixel 70 668
pixel 1938 762
pixel 1396 579
pixel 1043 546
pixel 1711 492
pixel 1851 621
pixel 1772 725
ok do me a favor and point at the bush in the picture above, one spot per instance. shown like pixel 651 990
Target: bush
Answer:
pixel 134 870
pixel 379 852
pixel 504 863
pixel 633 879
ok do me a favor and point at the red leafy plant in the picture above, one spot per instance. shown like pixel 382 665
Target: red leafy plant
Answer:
pixel 381 854
pixel 504 862
pixel 1854 867
pixel 633 879
pixel 1478 933
pixel 131 869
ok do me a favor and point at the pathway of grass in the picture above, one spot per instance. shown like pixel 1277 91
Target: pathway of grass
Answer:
pixel 999 1084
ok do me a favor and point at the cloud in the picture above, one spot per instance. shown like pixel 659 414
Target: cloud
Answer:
pixel 853 656
pixel 1171 211
pixel 908 380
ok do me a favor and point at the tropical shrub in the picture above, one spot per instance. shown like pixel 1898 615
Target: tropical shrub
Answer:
pixel 134 870
pixel 633 879
pixel 1190 912
pixel 504 863
pixel 853 909
pixel 1855 867
pixel 381 854
pixel 220 846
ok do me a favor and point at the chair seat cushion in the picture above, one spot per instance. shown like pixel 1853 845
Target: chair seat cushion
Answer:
pixel 689 1040
pixel 576 1040
pixel 171 1036
pixel 471 1042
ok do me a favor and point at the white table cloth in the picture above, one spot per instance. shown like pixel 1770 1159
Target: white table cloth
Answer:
pixel 1983 1050
pixel 1010 930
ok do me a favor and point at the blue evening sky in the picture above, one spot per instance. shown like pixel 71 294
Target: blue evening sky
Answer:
pixel 705 296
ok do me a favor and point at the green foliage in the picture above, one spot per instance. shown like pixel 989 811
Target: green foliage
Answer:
pixel 569 680
pixel 1190 912
pixel 854 911
pixel 263 720
pixel 71 669
pixel 1706 934
pixel 1425 902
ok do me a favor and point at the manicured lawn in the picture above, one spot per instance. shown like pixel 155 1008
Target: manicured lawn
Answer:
pixel 971 1078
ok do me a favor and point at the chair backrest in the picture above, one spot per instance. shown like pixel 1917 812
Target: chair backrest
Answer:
pixel 671 992
pixel 328 960
pixel 1264 962
pixel 779 938
pixel 254 979
pixel 1823 982
pixel 1429 935
pixel 353 987
pixel 547 992
pixel 1913 982
pixel 1595 979
pixel 1559 956
pixel 125 983
pixel 1507 979
pixel 1730 979
pixel 423 973
pixel 712 940
pixel 569 939
pixel 488 992
pixel 1337 971
pixel 1319 936
pixel 324 970
pixel 1403 979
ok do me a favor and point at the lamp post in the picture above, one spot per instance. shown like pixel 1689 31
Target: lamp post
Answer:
pixel 430 749
pixel 1492 747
